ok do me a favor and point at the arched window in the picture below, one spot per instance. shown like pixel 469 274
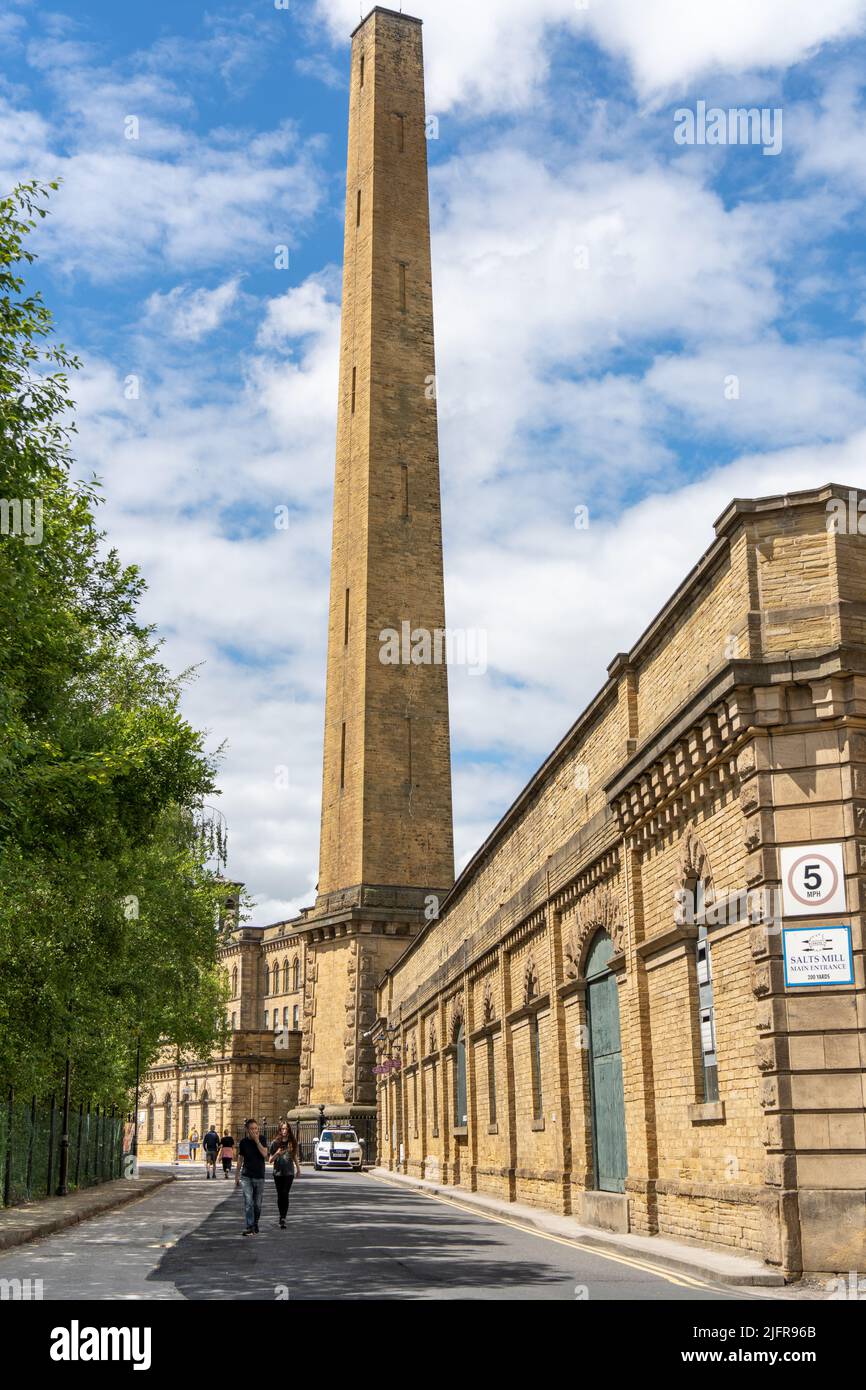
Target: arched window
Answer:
pixel 167 1134
pixel 285 977
pixel 296 973
pixel 205 1111
pixel 234 982
pixel 267 978
pixel 150 1115
pixel 460 1076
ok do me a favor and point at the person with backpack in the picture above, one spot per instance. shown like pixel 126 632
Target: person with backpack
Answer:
pixel 211 1145
pixel 284 1157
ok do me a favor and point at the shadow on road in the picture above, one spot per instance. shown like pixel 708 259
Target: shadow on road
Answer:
pixel 348 1237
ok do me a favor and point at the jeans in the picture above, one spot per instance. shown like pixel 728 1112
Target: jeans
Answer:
pixel 283 1184
pixel 253 1192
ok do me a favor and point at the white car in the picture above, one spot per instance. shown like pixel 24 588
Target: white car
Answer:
pixel 338 1148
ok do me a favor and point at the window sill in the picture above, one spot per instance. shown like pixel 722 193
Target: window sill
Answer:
pixel 460 1131
pixel 707 1112
pixel 538 1125
pixel 493 1129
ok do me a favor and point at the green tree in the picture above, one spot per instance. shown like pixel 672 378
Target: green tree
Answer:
pixel 107 906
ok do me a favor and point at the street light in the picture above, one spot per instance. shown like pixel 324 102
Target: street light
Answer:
pixel 137 1085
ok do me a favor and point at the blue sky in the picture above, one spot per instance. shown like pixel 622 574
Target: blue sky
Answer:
pixel 598 287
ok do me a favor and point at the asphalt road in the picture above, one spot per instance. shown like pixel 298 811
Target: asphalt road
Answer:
pixel 350 1236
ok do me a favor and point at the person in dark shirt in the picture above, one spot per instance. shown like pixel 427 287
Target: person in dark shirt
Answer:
pixel 211 1145
pixel 252 1156
pixel 284 1155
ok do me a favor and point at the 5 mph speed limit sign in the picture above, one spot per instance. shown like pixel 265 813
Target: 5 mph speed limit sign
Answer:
pixel 813 880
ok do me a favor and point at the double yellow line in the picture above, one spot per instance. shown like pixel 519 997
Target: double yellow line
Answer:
pixel 684 1281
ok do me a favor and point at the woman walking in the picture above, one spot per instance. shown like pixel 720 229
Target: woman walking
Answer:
pixel 284 1156
pixel 227 1152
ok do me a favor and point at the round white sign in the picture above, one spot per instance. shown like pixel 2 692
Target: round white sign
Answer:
pixel 813 879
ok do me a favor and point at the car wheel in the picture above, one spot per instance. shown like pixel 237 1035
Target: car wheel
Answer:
pixel 317 1167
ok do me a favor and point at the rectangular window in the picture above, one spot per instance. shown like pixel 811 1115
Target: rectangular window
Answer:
pixel 346 622
pixel 266 1018
pixel 354 386
pixel 435 1101
pixel 402 288
pixel 358 210
pixel 362 70
pixel 491 1082
pixel 707 1018
pixel 343 758
pixel 295 1017
pixel 404 487
pixel 535 1065
pixel 415 1103
pixel 409 750
pixel 286 1016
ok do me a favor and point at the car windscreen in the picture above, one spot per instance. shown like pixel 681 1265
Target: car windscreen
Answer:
pixel 346 1136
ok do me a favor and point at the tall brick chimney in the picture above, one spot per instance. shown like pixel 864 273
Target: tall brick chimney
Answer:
pixel 386 855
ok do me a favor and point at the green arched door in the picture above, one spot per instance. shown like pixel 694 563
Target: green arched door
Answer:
pixel 605 1063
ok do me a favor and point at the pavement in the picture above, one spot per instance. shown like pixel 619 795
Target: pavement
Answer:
pixel 350 1236
pixel 31 1220
pixel 716 1266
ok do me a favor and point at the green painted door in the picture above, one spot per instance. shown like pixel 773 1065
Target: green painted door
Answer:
pixel 605 1053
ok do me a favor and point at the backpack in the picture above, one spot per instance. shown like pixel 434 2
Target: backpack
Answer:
pixel 282 1163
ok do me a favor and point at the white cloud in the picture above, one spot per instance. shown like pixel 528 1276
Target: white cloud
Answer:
pixel 549 317
pixel 121 212
pixel 831 133
pixel 494 55
pixel 769 392
pixel 141 188
pixel 670 43
pixel 190 314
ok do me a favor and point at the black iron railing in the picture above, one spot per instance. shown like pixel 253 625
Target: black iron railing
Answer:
pixel 31 1143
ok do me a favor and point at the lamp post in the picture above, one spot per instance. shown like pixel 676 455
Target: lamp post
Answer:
pixel 63 1176
pixel 137 1084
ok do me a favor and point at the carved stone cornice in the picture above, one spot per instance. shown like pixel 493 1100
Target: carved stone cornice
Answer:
pixel 606 866
pixel 535 922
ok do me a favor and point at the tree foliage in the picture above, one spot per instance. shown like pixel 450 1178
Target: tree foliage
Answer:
pixel 107 906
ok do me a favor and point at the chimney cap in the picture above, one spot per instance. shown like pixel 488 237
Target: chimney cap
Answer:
pixel 380 9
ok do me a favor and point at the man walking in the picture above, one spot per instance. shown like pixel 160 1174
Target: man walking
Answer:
pixel 252 1156
pixel 211 1149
